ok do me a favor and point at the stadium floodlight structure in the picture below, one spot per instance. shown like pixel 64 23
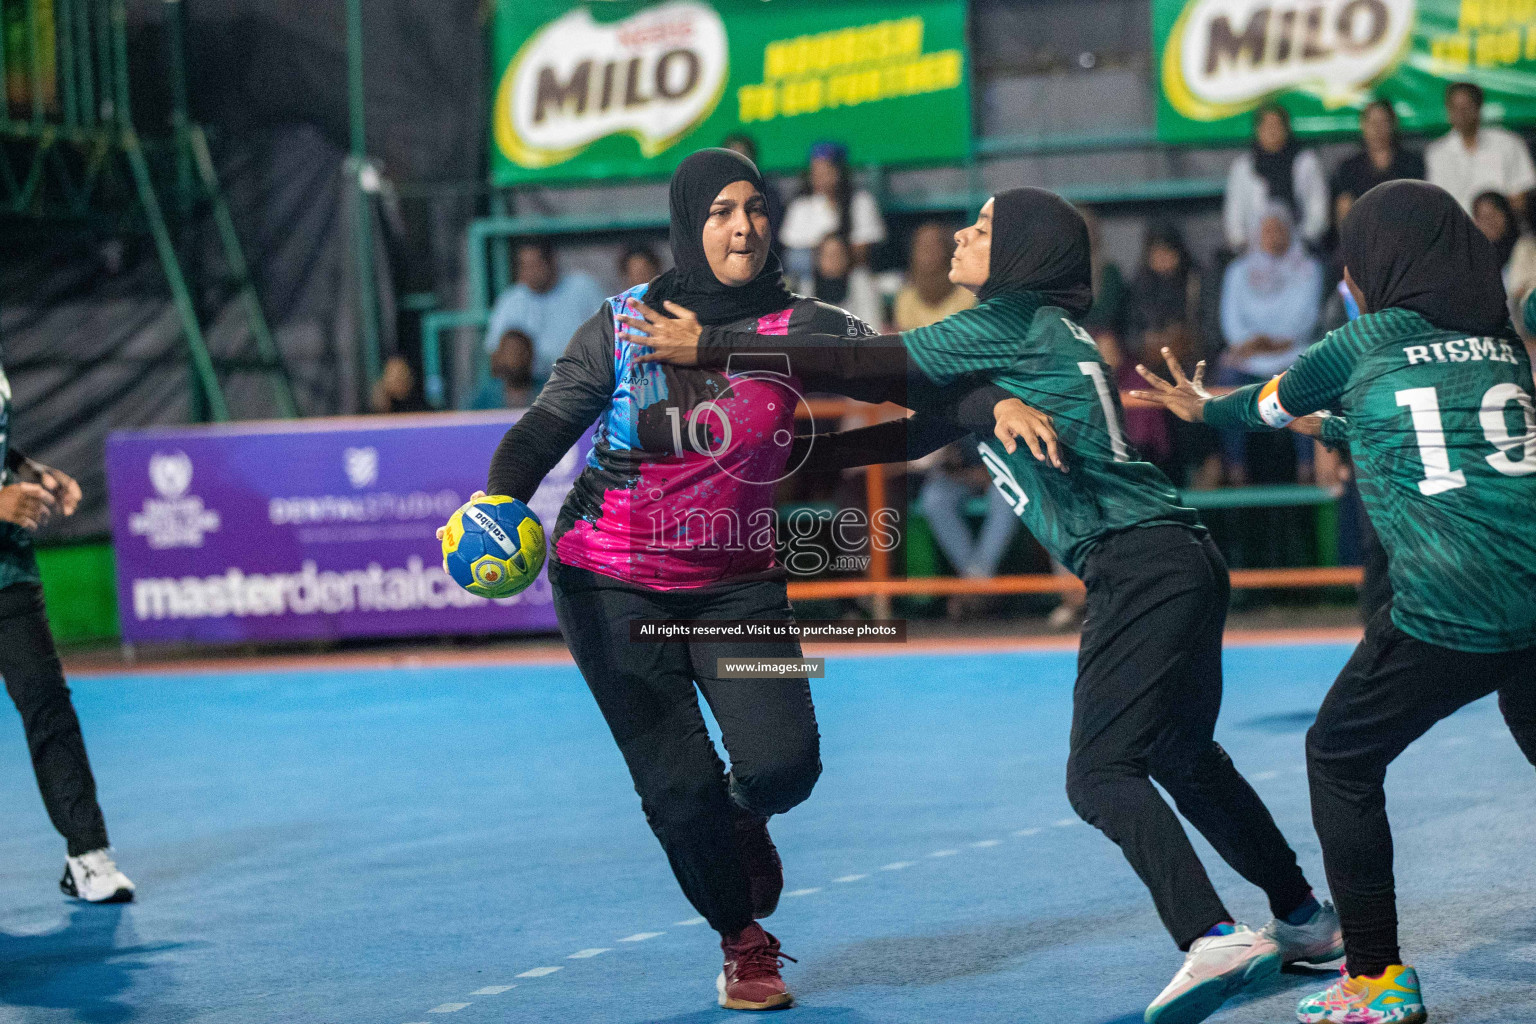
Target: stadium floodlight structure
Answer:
pixel 68 121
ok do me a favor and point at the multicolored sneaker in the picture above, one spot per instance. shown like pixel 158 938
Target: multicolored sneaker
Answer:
pixel 751 980
pixel 1318 941
pixel 1392 998
pixel 1215 968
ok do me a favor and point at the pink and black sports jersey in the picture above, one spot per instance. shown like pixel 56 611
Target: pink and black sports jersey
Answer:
pixel 678 489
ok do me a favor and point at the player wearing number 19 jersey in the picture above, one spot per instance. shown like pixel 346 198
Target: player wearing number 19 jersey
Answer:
pixel 1440 428
pixel 1436 394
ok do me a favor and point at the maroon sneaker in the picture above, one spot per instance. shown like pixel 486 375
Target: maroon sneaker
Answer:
pixel 750 980
pixel 760 858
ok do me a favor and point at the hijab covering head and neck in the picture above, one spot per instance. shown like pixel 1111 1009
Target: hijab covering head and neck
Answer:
pixel 691 283
pixel 1159 300
pixel 1409 245
pixel 1263 272
pixel 1278 169
pixel 1040 244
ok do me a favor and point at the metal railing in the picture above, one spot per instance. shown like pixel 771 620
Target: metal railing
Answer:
pixel 67 117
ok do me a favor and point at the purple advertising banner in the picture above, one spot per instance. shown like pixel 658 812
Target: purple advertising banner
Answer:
pixel 309 529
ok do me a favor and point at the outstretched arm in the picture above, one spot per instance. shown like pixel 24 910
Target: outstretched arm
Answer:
pixel 580 386
pixel 936 426
pixel 1315 381
pixel 871 369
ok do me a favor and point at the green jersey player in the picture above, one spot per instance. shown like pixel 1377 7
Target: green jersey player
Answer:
pixel 1435 391
pixel 1148 691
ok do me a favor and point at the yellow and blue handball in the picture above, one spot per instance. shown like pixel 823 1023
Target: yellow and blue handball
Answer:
pixel 494 547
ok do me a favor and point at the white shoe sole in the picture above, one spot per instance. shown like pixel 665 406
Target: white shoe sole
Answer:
pixel 1204 999
pixel 1318 958
pixel 779 1002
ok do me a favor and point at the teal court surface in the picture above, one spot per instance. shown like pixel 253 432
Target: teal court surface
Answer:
pixel 461 844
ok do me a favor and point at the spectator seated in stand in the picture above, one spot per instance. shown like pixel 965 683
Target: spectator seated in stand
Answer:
pixel 637 265
pixel 1162 309
pixel 838 281
pixel 828 204
pixel 1275 170
pixel 956 477
pixel 1473 158
pixel 396 390
pixel 544 304
pixel 1270 300
pixel 1500 224
pixel 510 385
pixel 928 295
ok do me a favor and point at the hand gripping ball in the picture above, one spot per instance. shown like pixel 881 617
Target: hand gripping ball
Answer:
pixel 494 547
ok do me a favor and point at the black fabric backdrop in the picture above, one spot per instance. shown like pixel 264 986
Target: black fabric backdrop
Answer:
pixel 90 338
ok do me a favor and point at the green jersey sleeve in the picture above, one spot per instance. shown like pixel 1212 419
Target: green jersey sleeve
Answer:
pixel 1315 381
pixel 985 340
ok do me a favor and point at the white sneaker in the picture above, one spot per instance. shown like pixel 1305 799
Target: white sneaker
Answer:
pixel 95 878
pixel 1316 942
pixel 1215 968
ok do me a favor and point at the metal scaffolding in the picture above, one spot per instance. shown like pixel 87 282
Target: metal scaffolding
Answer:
pixel 68 121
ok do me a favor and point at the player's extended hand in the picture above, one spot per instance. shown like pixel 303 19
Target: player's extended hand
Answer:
pixel 1014 419
pixel 25 504
pixel 675 338
pixel 442 531
pixel 1185 397
pixel 55 481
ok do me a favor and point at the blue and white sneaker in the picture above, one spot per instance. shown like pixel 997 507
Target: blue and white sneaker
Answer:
pixel 1319 941
pixel 1216 968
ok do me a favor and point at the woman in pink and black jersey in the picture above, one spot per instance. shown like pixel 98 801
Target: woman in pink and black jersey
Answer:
pixel 672 519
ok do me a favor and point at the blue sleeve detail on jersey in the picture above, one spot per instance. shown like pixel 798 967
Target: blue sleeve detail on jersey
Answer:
pixel 639 384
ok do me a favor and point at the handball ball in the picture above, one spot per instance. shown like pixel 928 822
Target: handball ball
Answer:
pixel 494 547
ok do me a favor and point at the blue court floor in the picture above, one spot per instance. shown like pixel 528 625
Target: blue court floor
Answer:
pixel 462 845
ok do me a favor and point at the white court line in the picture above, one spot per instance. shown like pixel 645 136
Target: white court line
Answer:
pixel 900 865
pixel 1264 776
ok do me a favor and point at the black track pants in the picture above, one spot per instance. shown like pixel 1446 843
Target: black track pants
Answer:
pixel 1391 692
pixel 1145 706
pixel 35 680
pixel 646 691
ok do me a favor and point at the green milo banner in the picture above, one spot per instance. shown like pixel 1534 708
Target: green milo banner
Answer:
pixel 1325 59
pixel 627 89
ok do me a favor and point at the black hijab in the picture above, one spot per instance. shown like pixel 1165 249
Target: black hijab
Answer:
pixel 1040 244
pixel 690 283
pixel 1157 301
pixel 1409 245
pixel 1504 245
pixel 1277 169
